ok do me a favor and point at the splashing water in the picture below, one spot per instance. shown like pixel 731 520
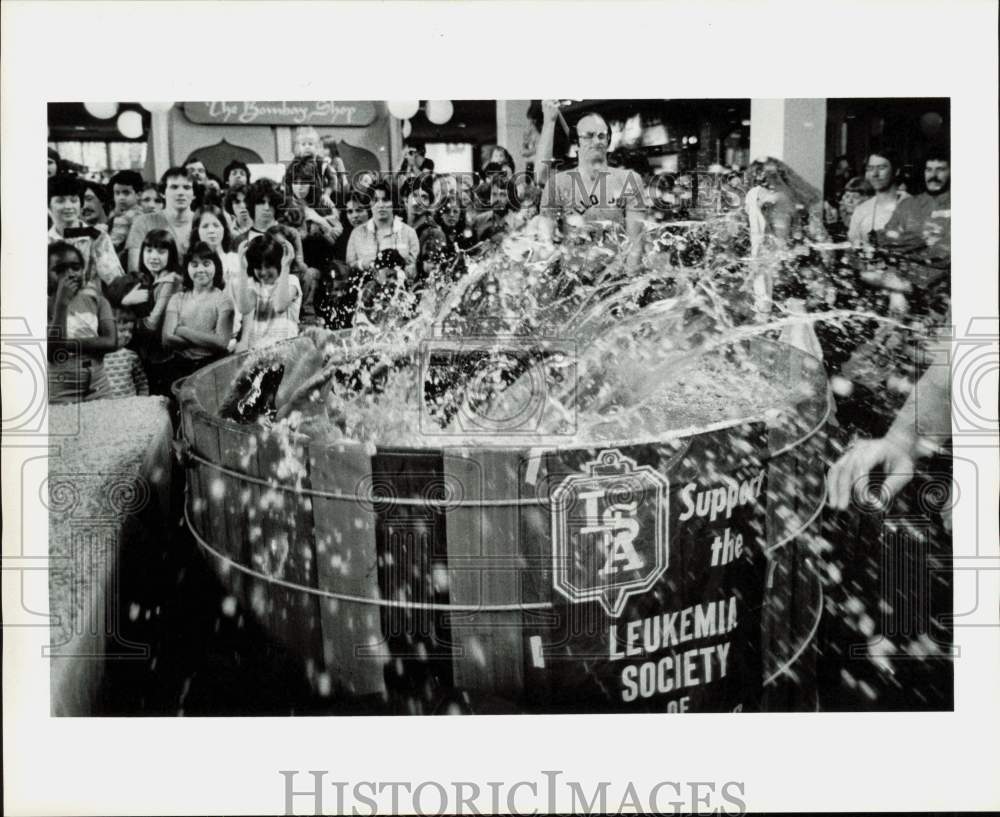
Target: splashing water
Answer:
pixel 570 344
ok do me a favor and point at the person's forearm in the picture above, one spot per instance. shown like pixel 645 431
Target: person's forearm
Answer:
pixel 282 292
pixel 924 421
pixel 209 340
pixel 57 330
pixel 173 340
pixel 242 296
pixel 104 343
pixel 543 152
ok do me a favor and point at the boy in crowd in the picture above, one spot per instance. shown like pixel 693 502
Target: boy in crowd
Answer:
pixel 65 198
pixel 235 206
pixel 236 174
pixel 126 376
pixel 125 188
pixel 419 198
pixel 150 201
pixel 176 216
pixel 263 201
pixel 81 329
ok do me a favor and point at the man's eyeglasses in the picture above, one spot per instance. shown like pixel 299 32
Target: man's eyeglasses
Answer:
pixel 590 136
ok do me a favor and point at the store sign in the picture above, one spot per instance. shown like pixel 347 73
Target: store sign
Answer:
pixel 252 112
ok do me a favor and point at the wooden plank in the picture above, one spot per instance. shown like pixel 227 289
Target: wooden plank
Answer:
pixel 346 562
pixel 485 567
pixel 240 497
pixel 286 551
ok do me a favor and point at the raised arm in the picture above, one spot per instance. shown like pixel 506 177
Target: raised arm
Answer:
pixel 282 290
pixel 546 140
pixel 243 298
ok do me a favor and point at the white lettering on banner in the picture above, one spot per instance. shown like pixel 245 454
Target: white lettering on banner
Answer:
pixel 726 548
pixel 616 533
pixel 671 673
pixel 648 635
pixel 713 501
pixel 248 112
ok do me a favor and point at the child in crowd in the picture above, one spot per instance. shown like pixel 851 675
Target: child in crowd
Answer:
pixel 126 186
pixel 327 158
pixel 199 321
pixel 123 367
pixel 211 226
pixel 159 278
pixel 237 210
pixel 151 200
pixel 268 296
pixel 81 330
pixel 318 226
pixel 236 174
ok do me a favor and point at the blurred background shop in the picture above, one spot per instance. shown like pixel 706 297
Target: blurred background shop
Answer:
pixel 653 136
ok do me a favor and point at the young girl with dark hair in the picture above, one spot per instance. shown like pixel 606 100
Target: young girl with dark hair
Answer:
pixel 267 296
pixel 158 278
pixel 199 320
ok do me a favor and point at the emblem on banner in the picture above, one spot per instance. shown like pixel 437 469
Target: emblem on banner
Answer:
pixel 609 531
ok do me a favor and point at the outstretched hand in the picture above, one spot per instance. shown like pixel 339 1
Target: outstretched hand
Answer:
pixel 850 474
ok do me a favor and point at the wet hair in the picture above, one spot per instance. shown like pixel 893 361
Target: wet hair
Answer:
pixel 62 185
pixel 211 210
pixel 232 194
pixel 201 251
pixel 264 251
pixel 160 240
pixel 126 178
pixel 60 247
pixel 174 172
pixel 264 190
pixel 235 164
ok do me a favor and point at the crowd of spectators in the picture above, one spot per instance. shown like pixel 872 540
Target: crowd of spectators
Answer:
pixel 183 271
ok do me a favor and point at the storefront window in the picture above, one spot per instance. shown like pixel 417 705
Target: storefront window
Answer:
pixel 103 156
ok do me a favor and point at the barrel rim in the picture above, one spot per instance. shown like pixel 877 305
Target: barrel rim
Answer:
pixel 189 402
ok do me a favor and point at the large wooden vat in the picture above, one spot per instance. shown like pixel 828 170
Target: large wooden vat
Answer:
pixel 503 578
